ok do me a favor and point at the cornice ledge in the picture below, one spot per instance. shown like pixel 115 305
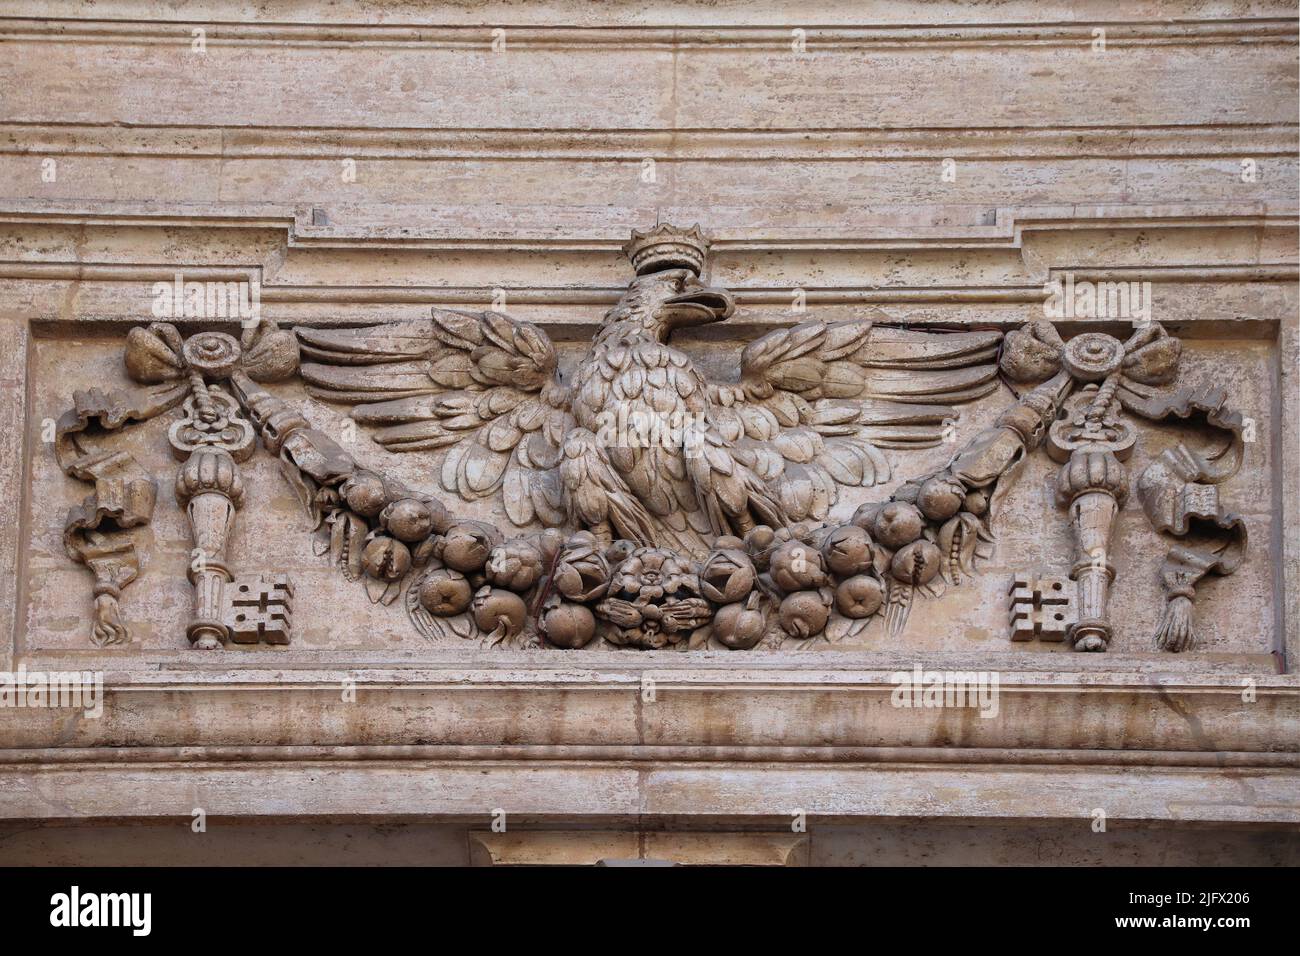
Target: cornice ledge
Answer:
pixel 303 226
pixel 634 145
pixel 1205 31
pixel 627 793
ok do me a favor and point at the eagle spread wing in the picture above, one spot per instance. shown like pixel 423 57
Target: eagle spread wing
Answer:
pixel 817 402
pixel 481 382
pixel 813 408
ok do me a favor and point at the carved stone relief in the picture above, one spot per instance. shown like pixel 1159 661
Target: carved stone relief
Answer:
pixel 654 507
pixel 1041 607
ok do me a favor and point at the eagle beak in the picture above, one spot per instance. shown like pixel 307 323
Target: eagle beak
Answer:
pixel 699 306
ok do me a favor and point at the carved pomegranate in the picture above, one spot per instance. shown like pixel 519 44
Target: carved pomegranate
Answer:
pixel 385 559
pixel 865 516
pixel 796 566
pixel 759 542
pixel 549 543
pixel 364 492
pixel 515 565
pixel 407 519
pixel 804 614
pixel 619 551
pixel 847 550
pixel 445 593
pixel 859 596
pixel 466 547
pixel 581 573
pixel 798 531
pixel 898 523
pixel 568 625
pixel 940 497
pixel 917 563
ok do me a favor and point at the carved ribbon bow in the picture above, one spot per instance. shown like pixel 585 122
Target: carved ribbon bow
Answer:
pixel 1037 351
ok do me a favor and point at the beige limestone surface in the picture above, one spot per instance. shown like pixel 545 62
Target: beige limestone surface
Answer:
pixel 524 170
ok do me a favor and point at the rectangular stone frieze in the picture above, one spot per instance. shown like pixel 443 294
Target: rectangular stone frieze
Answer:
pixel 827 485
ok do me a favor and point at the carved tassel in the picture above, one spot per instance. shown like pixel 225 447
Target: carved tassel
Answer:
pixel 1176 632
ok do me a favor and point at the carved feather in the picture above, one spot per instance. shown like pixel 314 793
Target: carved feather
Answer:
pixel 481 385
pixel 859 360
pixel 824 399
pixel 448 350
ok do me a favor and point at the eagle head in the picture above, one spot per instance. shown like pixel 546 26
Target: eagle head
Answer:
pixel 671 299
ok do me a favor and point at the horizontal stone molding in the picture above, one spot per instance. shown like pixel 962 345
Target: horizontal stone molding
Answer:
pixel 630 713
pixel 88 756
pixel 177 32
pixel 650 78
pixel 994 144
pixel 1003 227
pixel 568 295
pixel 1223 244
pixel 683 795
pixel 590 847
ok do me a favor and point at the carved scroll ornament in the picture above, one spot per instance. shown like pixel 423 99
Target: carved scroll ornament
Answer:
pixel 1179 493
pixel 102 533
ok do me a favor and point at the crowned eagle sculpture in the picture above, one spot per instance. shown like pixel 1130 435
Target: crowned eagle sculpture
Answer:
pixel 815 406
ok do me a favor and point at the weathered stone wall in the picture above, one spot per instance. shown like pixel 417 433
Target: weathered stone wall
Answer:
pixel 926 164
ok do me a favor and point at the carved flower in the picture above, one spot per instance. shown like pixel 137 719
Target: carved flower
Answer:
pixel 652 573
pixel 653 600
